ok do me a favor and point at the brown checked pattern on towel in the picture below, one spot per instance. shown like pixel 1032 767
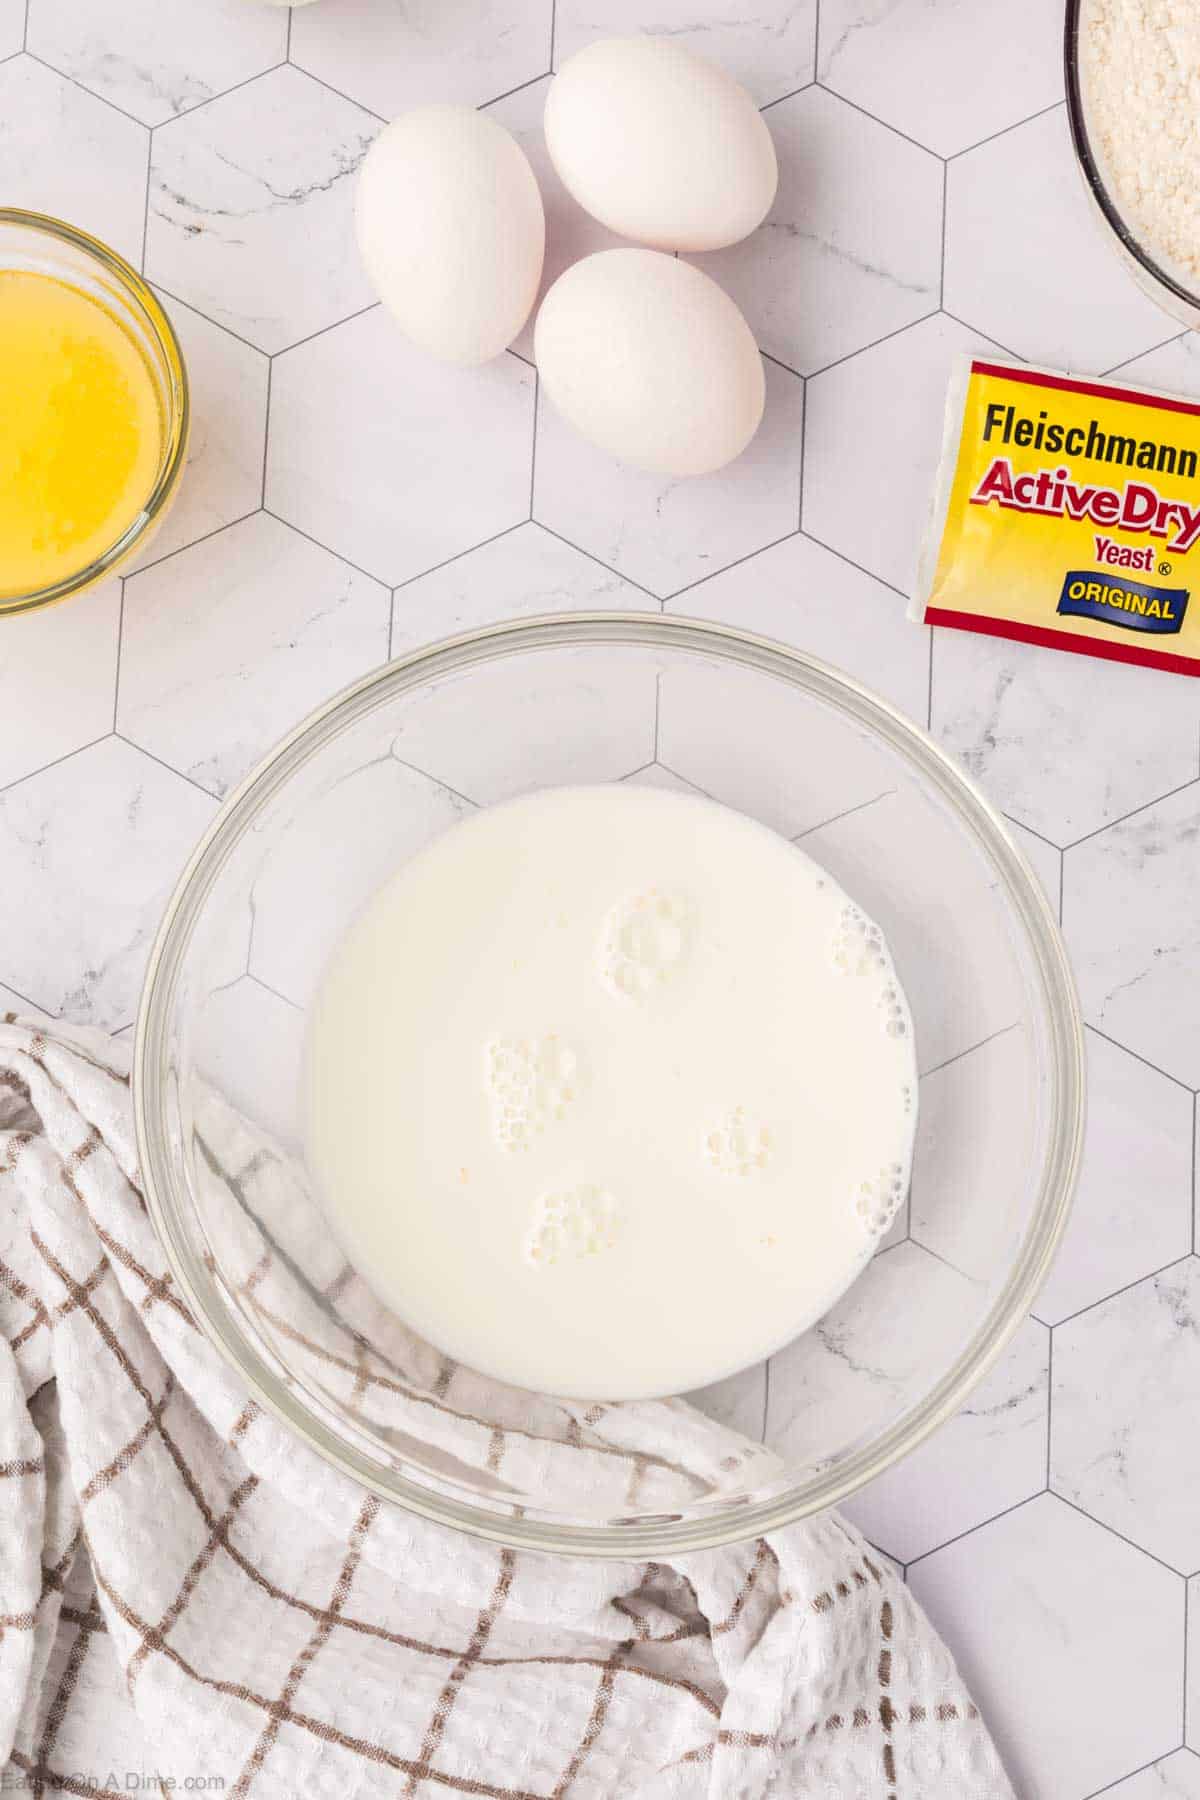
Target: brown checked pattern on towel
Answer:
pixel 187 1575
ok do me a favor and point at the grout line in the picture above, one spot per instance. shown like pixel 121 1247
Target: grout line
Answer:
pixel 268 989
pixel 309 538
pixel 1148 351
pixel 391 621
pixel 1049 1399
pixel 65 75
pixel 25 38
pixel 519 89
pixel 217 324
pixel 782 99
pixel 133 744
pixel 1125 1288
pixel 156 562
pixel 971 1529
pixel 185 112
pixel 969 1051
pixel 957 319
pixel 767 356
pixel 1130 1774
pixel 55 761
pixel 712 574
pixel 371 306
pixel 945 216
pixel 600 562
pixel 883 124
pixel 1138 1057
pixel 875 343
pixel 262 489
pixel 459 554
pixel 816 40
pixel 120 646
pixel 1054 106
pixel 553 30
pixel 25 998
pixel 1186 1611
pixel 537 394
pixel 1111 824
pixel 287 42
pixel 303 69
pixel 846 813
pixel 1120 1535
pixel 1195 1121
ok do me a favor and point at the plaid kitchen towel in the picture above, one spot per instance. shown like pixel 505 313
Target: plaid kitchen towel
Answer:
pixel 191 1601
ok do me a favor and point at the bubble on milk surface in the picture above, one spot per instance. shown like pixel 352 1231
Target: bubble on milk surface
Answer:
pixel 531 1082
pixel 858 946
pixel 879 1199
pixel 570 1224
pixel 644 942
pixel 739 1145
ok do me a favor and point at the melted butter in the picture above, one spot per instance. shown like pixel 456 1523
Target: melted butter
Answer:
pixel 81 431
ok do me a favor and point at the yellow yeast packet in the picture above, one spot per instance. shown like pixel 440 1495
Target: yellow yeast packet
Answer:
pixel 1066 513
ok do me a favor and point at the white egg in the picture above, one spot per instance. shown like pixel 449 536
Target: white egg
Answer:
pixel 660 144
pixel 651 360
pixel 451 229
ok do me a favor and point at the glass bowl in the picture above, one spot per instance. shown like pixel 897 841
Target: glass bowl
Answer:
pixel 1168 290
pixel 34 242
pixel 370 779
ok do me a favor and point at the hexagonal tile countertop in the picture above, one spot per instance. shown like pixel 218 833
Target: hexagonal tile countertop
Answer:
pixel 347 499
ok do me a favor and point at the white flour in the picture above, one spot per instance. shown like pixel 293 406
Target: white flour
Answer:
pixel 1141 71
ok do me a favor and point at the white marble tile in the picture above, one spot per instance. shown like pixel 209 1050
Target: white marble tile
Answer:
pixel 526 571
pixel 767 45
pixel 1043 858
pixel 391 458
pixel 1015 713
pixel 391 57
pixel 1192 1694
pixel 250 1046
pixel 227 386
pixel 12 26
pixel 852 247
pixel 64 152
pixel 990 1456
pixel 570 232
pixel 1133 1207
pixel 1175 1777
pixel 1070 1641
pixel 153 60
pixel 873 438
pixel 1173 367
pixel 58 672
pixel 952 951
pixel 975 1165
pixel 1027 262
pixel 943 74
pixel 764 748
pixel 251 209
pixel 591 723
pixel 872 1357
pixel 806 596
pixel 1125 1375
pixel 90 849
pixel 661 531
pixel 378 814
pixel 226 645
pixel 1141 983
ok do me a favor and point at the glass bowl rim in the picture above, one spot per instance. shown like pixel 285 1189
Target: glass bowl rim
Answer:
pixel 661 1536
pixel 1089 166
pixel 175 427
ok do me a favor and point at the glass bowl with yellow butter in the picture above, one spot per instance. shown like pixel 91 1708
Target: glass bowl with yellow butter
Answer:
pixel 93 411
